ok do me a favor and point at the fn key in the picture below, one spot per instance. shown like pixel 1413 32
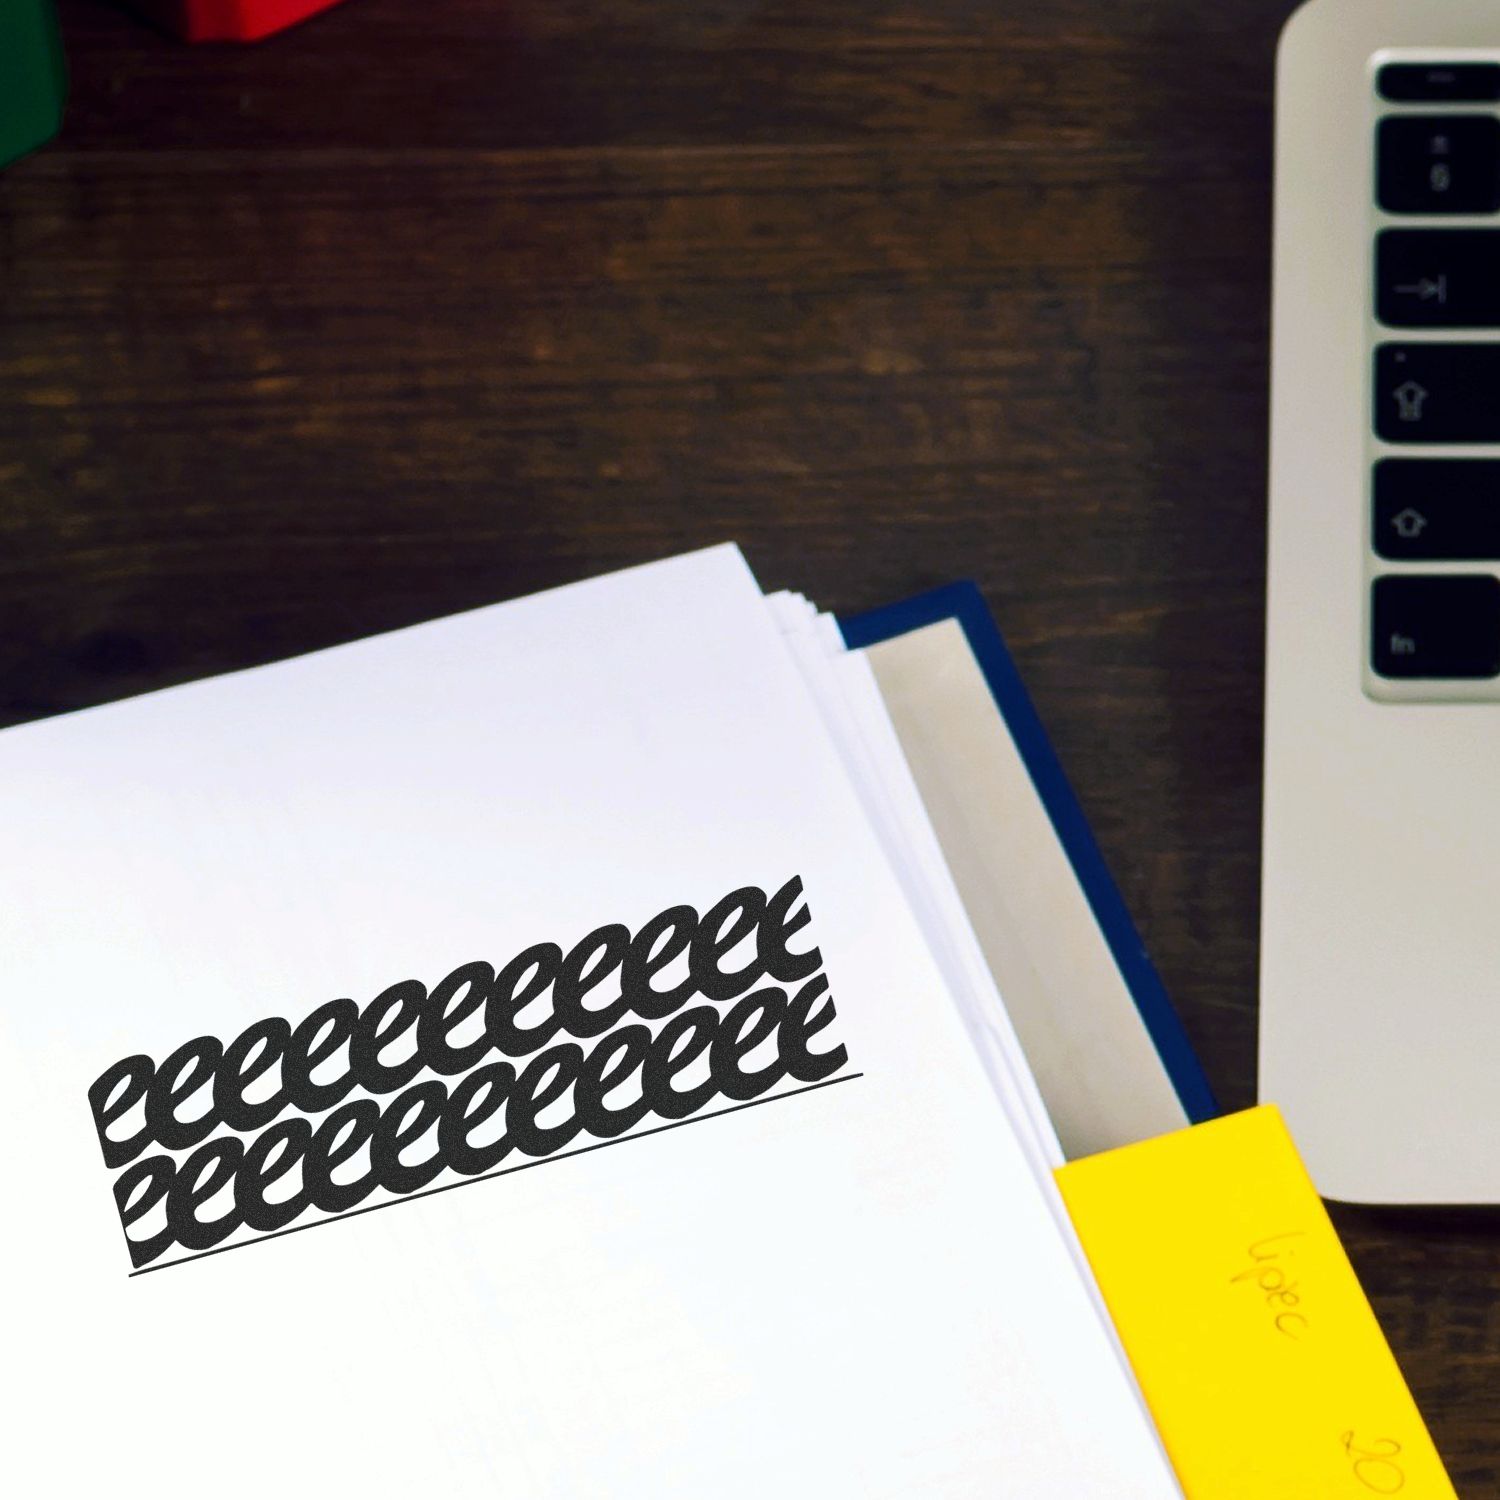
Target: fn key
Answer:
pixel 1436 625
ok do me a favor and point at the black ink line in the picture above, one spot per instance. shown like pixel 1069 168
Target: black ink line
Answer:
pixel 525 1166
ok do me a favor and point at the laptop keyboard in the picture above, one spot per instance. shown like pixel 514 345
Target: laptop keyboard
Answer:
pixel 1436 380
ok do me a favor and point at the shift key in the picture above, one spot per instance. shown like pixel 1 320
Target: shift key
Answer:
pixel 1437 393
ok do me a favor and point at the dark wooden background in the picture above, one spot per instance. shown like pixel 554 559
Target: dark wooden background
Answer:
pixel 433 302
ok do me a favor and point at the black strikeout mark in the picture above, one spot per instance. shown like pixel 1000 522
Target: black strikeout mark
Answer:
pixel 525 1166
pixel 715 1005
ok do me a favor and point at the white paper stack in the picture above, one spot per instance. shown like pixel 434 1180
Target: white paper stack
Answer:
pixel 539 1053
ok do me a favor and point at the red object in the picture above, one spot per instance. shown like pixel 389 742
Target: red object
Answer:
pixel 229 20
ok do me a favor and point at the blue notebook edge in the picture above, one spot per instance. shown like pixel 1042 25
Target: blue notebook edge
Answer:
pixel 964 603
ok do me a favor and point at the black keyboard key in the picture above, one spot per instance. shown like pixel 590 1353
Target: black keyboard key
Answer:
pixel 1437 509
pixel 1436 626
pixel 1439 83
pixel 1439 164
pixel 1437 393
pixel 1438 278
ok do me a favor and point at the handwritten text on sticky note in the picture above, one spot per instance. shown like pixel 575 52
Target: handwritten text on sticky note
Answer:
pixel 1254 1345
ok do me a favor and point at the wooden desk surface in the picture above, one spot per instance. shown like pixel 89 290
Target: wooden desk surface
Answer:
pixel 433 302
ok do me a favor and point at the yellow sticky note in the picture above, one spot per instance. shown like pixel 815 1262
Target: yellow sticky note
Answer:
pixel 1258 1353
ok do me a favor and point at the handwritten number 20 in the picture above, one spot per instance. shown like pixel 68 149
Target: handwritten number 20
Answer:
pixel 1375 1464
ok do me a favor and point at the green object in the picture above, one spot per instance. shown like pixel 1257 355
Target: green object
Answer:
pixel 33 77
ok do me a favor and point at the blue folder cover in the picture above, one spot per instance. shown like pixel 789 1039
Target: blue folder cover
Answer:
pixel 964 603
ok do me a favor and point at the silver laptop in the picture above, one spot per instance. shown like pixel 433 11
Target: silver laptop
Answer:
pixel 1380 974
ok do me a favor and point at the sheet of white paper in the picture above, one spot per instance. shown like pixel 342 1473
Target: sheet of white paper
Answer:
pixel 845 689
pixel 845 692
pixel 852 1291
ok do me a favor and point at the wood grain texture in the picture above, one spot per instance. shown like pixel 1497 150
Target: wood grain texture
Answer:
pixel 424 305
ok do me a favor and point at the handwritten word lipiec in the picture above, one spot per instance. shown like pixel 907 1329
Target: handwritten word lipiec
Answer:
pixel 289 1121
